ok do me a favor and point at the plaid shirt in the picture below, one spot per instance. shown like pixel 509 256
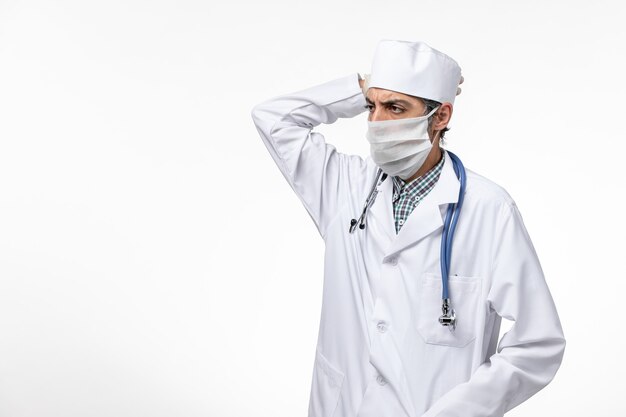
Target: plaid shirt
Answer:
pixel 407 196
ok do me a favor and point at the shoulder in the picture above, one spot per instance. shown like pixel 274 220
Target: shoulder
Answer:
pixel 491 206
pixel 483 191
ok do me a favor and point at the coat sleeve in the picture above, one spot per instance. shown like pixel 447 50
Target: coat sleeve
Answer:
pixel 318 174
pixel 529 355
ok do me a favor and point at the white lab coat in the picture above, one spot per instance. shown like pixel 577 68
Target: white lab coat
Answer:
pixel 381 351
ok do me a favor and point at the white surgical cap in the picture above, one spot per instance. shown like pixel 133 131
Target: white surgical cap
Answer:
pixel 416 69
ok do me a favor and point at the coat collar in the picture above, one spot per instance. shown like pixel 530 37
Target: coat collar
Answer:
pixel 426 217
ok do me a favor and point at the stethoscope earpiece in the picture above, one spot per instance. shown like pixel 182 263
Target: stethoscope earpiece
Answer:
pixel 371 197
pixel 353 223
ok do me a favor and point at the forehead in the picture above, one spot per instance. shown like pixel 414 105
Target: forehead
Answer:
pixel 380 94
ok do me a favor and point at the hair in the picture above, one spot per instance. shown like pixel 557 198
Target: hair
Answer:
pixel 430 105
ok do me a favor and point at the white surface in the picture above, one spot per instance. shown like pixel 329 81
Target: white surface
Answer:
pixel 134 282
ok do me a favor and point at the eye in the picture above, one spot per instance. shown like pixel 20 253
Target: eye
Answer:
pixel 396 109
pixel 369 107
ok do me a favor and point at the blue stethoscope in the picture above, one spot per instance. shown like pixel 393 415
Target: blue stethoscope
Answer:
pixel 448 316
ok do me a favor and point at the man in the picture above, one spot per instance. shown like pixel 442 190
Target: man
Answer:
pixel 382 350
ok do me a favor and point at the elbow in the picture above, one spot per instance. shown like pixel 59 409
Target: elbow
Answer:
pixel 561 353
pixel 536 362
pixel 548 365
pixel 262 113
pixel 559 343
pixel 554 350
pixel 264 117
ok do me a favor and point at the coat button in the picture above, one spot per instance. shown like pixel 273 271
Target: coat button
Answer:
pixel 382 326
pixel 381 380
pixel 393 261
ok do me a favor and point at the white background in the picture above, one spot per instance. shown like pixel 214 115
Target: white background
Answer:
pixel 154 261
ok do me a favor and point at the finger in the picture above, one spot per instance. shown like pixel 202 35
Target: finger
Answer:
pixel 461 81
pixel 366 81
pixel 458 91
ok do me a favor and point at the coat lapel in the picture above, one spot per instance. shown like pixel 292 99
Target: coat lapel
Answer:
pixel 427 216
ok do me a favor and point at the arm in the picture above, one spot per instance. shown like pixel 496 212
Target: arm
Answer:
pixel 319 175
pixel 529 355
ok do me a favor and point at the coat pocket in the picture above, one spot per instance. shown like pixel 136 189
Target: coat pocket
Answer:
pixel 325 387
pixel 464 297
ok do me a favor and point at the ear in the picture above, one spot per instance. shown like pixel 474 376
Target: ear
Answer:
pixel 442 116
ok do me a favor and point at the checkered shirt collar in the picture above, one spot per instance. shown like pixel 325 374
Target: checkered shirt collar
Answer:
pixel 416 187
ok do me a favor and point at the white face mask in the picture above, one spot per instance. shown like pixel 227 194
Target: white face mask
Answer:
pixel 400 146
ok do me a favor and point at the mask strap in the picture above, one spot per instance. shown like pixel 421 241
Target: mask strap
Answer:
pixel 432 112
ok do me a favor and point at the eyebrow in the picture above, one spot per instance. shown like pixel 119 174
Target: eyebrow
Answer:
pixel 392 101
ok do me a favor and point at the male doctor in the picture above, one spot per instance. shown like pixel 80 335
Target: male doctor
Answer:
pixel 382 350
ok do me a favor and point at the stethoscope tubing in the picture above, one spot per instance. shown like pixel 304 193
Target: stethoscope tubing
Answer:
pixel 449 227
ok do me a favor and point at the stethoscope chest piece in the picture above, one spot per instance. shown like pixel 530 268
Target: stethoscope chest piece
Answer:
pixel 448 317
